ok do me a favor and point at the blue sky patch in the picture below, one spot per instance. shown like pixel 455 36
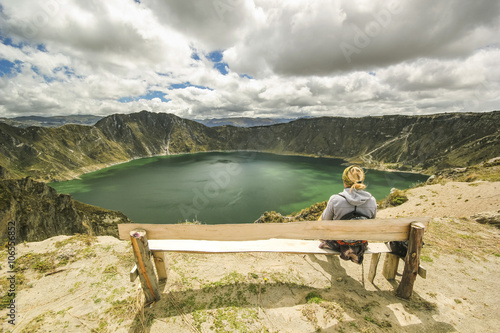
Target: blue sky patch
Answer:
pixel 46 78
pixel 6 41
pixel 150 95
pixel 9 42
pixel 195 56
pixel 216 57
pixel 159 94
pixel 8 67
pixel 185 85
pixel 41 47
pixel 69 72
pixel 222 67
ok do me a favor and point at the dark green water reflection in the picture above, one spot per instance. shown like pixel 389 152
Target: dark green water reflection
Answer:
pixel 230 187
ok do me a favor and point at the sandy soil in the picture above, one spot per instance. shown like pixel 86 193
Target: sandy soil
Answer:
pixel 453 199
pixel 87 288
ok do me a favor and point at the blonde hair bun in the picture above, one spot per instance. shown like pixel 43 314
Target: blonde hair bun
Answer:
pixel 353 177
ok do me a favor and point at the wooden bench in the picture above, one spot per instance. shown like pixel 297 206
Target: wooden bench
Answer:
pixel 296 237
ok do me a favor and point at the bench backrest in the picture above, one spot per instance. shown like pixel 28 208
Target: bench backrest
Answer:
pixel 387 229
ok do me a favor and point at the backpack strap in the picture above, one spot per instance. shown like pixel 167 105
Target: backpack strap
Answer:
pixel 340 195
pixel 354 211
pixel 351 242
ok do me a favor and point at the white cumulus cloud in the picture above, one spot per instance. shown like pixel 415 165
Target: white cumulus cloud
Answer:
pixel 269 58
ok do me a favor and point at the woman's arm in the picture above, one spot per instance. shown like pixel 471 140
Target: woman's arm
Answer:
pixel 328 213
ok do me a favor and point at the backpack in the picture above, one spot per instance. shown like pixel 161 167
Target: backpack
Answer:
pixel 354 215
pixel 349 249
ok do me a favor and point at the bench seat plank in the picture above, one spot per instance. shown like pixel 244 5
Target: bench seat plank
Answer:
pixel 388 229
pixel 268 245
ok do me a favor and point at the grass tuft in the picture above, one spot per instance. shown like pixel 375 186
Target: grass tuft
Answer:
pixel 313 297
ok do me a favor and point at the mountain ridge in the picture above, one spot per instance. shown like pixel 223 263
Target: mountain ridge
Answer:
pixel 54 121
pixel 242 121
pixel 421 143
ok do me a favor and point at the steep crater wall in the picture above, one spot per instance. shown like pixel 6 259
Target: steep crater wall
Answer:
pixel 423 143
pixel 36 212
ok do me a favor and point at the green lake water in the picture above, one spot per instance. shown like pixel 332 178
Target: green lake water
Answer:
pixel 225 187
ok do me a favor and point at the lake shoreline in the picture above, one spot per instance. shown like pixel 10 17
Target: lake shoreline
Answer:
pixel 347 162
pixel 221 186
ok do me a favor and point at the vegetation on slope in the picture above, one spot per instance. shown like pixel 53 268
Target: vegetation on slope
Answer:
pixel 311 213
pixel 487 171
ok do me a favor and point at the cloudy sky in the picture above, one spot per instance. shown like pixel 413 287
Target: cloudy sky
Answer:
pixel 260 58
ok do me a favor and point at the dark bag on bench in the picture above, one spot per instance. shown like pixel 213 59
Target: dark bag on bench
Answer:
pixel 399 248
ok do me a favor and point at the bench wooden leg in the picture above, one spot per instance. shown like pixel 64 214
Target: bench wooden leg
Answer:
pixel 412 261
pixel 422 272
pixel 161 265
pixel 373 267
pixel 134 274
pixel 391 263
pixel 142 255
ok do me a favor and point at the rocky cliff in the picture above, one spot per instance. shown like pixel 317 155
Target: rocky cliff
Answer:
pixel 37 212
pixel 423 143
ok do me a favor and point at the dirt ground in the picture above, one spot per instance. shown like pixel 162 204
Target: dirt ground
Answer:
pixel 81 283
pixel 453 199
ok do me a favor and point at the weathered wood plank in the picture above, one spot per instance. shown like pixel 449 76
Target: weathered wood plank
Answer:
pixel 375 230
pixel 133 273
pixel 373 267
pixel 268 245
pixel 412 261
pixel 391 264
pixel 142 255
pixel 391 267
pixel 160 264
pixel 422 272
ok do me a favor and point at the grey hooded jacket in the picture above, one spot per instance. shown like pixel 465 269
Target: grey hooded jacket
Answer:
pixel 338 206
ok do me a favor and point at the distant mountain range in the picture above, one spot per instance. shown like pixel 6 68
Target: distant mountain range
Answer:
pixel 421 143
pixel 56 121
pixel 243 121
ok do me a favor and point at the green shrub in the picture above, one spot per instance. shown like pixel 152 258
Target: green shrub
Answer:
pixel 313 297
pixel 395 198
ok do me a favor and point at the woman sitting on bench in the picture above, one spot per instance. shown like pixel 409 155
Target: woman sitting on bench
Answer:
pixel 351 204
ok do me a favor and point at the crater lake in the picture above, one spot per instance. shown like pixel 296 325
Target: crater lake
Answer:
pixel 221 187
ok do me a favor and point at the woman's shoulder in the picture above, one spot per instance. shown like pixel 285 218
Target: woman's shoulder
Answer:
pixel 367 194
pixel 372 199
pixel 336 197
